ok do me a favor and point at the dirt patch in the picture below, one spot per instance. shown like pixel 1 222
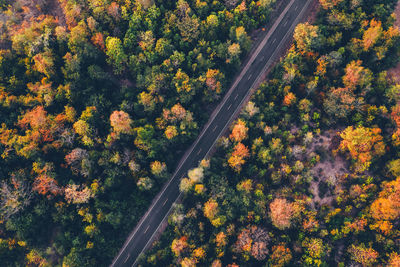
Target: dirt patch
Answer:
pixel 56 11
pixel 327 171
pixel 36 8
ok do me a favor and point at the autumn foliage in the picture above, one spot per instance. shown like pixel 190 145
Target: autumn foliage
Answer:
pixel 356 75
pixel 77 194
pixel 237 159
pixel 308 175
pixel 395 115
pixel 210 209
pixel 363 255
pixel 280 256
pixel 328 4
pixel 179 245
pixel 253 240
pixel 387 205
pixel 305 37
pixel 289 99
pixel 281 213
pixel 394 260
pixel 99 98
pixel 45 184
pixel 363 144
pixel 239 131
pixel 372 34
pixel 121 122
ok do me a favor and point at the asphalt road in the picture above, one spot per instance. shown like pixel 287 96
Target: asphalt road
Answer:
pixel 140 238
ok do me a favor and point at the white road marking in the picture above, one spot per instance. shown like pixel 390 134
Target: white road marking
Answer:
pixel 279 20
pixel 274 41
pixel 215 128
pixel 165 202
pixel 229 106
pixel 249 76
pixel 236 96
pixel 199 152
pixel 147 228
pixel 296 7
pixel 284 25
pixel 127 257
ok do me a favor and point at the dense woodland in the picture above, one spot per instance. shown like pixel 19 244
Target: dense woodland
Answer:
pixel 95 94
pixel 309 174
pixel 98 99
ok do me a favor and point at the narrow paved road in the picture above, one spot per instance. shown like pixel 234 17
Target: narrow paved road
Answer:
pixel 261 59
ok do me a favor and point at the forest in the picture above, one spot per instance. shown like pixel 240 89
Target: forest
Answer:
pixel 309 173
pixel 94 96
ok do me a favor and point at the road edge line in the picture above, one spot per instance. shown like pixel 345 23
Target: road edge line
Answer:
pixel 233 115
pixel 212 117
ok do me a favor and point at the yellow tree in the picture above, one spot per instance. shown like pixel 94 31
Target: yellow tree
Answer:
pixel 182 82
pixel 116 54
pixel 179 245
pixel 363 144
pixel 281 255
pixel 187 25
pixel 34 258
pixel 306 37
pixel 158 168
pixel 171 132
pixel 210 209
pixel 83 128
pixel 233 51
pixel 315 251
pixel 363 255
pixel 236 160
pixel 199 253
pixel 329 4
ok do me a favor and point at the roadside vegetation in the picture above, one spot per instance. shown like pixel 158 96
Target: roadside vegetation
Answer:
pixel 98 100
pixel 309 174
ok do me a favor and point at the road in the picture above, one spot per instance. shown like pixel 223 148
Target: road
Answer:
pixel 250 75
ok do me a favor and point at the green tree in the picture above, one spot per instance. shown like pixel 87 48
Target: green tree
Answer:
pixel 116 54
